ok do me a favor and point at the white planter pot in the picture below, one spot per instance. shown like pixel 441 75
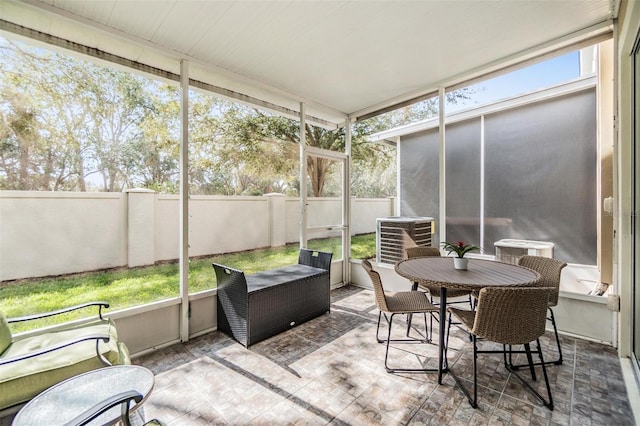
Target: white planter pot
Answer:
pixel 460 263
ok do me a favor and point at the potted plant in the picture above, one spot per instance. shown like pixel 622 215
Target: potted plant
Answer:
pixel 460 248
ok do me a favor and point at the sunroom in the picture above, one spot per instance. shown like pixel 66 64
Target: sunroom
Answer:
pixel 335 64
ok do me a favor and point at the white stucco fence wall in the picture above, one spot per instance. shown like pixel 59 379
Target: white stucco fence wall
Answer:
pixel 367 211
pixel 51 233
pixel 54 233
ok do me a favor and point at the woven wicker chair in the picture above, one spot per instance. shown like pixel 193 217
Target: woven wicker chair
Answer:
pixel 549 270
pixel 510 316
pixel 422 252
pixel 392 303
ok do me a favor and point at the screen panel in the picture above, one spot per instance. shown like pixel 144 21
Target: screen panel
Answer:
pixel 540 175
pixel 419 175
pixel 463 167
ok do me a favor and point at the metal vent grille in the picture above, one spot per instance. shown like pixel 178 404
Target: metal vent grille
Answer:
pixel 395 234
pixel 510 251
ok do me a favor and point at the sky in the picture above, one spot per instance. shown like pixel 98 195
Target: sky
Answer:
pixel 538 76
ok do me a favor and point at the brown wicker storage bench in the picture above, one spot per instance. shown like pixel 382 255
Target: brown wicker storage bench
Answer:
pixel 254 307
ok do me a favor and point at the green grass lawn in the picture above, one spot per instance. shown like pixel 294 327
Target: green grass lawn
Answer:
pixel 125 287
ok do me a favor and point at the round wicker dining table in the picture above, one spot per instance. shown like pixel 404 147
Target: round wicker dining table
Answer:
pixel 439 271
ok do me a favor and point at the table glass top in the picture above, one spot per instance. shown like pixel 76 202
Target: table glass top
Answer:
pixel 63 402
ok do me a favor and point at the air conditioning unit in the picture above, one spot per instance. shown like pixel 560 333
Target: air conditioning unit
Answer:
pixel 510 251
pixel 395 234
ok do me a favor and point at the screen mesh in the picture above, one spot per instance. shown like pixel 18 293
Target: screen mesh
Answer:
pixel 540 176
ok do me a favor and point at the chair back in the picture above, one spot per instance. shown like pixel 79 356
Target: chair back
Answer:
pixel 381 300
pixel 549 270
pixel 124 399
pixel 422 252
pixel 511 315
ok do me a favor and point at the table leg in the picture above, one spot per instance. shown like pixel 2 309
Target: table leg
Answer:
pixel 441 349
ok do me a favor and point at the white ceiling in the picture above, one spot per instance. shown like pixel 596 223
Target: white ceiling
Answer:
pixel 339 57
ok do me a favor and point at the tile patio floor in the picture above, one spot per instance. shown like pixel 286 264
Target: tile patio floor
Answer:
pixel 329 371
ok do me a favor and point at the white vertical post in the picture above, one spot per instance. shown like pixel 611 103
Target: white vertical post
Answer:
pixel 442 167
pixel 303 178
pixel 482 159
pixel 277 219
pixel 395 208
pixel 141 213
pixel 184 201
pixel 346 206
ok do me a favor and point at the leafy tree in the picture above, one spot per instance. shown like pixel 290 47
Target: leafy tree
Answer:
pixel 37 150
pixel 17 136
pixel 83 120
pixel 69 124
pixel 256 138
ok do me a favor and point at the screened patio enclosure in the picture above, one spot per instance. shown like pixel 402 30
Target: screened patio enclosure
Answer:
pixel 333 63
pixel 523 171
